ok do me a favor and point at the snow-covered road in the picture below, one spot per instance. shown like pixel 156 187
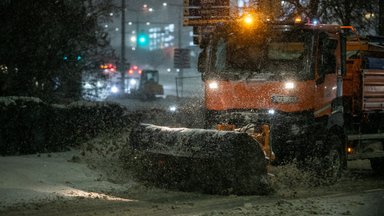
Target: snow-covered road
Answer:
pixel 89 181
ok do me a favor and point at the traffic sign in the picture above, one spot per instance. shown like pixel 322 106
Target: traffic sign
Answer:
pixel 207 11
pixel 181 58
pixel 202 22
pixel 201 33
pixel 206 2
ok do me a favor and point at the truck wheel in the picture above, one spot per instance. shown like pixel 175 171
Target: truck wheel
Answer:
pixel 333 161
pixel 377 164
pixel 333 165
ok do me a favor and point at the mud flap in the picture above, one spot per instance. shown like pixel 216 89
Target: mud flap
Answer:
pixel 210 161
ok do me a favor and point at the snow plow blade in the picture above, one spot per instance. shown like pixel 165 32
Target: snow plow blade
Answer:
pixel 209 161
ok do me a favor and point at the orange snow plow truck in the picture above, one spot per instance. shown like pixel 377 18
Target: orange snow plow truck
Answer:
pixel 313 93
pixel 309 90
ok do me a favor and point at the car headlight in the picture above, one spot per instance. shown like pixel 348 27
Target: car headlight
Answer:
pixel 172 108
pixel 132 82
pixel 114 89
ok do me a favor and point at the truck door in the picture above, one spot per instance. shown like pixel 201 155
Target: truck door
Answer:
pixel 326 87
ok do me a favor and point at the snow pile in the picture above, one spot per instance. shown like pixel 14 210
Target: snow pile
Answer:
pixel 41 178
pixel 104 154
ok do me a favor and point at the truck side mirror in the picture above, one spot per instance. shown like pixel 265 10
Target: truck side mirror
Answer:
pixel 328 58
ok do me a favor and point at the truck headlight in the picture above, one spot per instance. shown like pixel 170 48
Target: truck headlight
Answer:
pixel 213 85
pixel 289 85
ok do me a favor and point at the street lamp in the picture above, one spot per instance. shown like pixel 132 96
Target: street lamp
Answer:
pixel 122 60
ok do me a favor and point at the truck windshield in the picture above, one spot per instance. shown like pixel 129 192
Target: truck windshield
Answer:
pixel 281 55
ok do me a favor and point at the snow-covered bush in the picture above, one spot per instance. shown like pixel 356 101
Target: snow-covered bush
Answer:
pixel 23 122
pixel 28 125
pixel 88 119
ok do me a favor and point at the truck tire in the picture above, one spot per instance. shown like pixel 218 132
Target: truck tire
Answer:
pixel 377 165
pixel 333 165
pixel 333 160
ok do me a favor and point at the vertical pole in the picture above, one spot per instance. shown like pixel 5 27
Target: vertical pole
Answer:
pixel 343 57
pixel 122 60
pixel 137 30
pixel 181 73
pixel 177 87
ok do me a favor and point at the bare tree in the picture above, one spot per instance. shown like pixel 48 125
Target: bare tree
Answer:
pixel 361 14
pixel 47 44
pixel 307 9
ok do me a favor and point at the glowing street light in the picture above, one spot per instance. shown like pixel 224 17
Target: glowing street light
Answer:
pixel 133 39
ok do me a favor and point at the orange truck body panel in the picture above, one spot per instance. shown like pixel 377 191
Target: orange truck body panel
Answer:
pixel 258 95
